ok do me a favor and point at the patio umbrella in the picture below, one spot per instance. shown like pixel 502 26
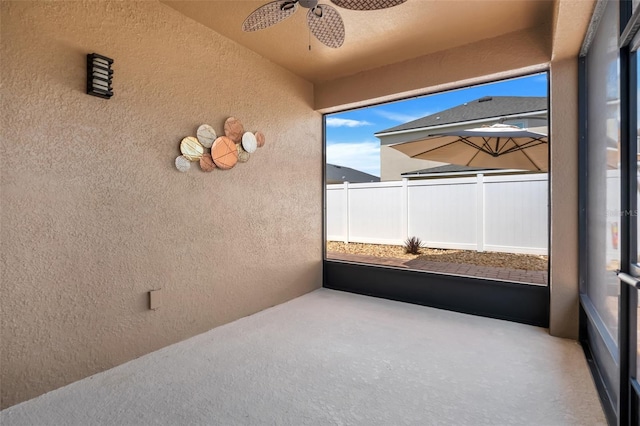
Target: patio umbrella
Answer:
pixel 499 146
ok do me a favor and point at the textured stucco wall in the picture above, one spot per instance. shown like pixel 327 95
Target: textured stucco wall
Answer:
pixel 505 56
pixel 564 199
pixel 94 213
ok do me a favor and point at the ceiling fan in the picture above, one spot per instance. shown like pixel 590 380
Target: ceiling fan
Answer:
pixel 324 21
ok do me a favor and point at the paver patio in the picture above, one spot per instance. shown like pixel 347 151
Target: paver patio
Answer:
pixel 506 274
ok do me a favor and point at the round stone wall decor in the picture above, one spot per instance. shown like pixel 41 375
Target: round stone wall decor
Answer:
pixel 260 139
pixel 243 156
pixel 206 135
pixel 218 152
pixel 182 164
pixel 224 153
pixel 206 163
pixel 249 142
pixel 191 148
pixel 233 129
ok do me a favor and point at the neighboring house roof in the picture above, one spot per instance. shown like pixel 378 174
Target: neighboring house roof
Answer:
pixel 448 168
pixel 346 174
pixel 455 170
pixel 483 108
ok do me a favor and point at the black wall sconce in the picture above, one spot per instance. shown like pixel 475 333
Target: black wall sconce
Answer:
pixel 99 75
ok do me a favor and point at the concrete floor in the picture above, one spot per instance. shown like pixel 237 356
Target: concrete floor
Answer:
pixel 333 358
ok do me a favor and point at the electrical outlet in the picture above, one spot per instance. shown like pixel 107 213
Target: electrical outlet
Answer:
pixel 155 299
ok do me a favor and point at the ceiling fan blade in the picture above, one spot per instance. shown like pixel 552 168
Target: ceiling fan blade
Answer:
pixel 269 14
pixel 367 4
pixel 326 25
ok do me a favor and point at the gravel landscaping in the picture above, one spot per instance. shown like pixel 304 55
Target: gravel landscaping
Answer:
pixel 527 262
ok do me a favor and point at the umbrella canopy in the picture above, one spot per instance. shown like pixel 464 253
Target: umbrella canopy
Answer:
pixel 499 146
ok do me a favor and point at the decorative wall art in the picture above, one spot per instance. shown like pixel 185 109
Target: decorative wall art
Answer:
pixel 260 139
pixel 243 156
pixel 206 135
pixel 206 163
pixel 233 129
pixel 224 153
pixel 182 164
pixel 236 146
pixel 249 142
pixel 191 149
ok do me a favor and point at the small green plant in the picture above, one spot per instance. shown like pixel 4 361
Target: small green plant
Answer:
pixel 413 245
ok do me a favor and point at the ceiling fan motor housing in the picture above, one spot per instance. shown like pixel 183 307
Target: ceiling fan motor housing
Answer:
pixel 309 4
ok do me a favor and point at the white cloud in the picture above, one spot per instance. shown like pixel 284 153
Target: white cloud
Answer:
pixel 344 122
pixel 363 156
pixel 399 117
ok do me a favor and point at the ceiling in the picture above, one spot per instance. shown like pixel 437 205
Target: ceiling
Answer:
pixel 373 38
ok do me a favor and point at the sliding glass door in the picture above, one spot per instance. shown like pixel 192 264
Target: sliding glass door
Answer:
pixel 629 408
pixel 601 195
pixel 610 274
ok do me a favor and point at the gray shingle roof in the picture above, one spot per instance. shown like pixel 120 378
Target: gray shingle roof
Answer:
pixel 449 168
pixel 485 107
pixel 346 174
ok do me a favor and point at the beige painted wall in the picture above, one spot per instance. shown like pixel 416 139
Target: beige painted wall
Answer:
pixel 486 60
pixel 94 213
pixel 564 198
pixel 393 163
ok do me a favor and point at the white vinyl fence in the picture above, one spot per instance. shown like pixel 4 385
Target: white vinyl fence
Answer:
pixel 483 213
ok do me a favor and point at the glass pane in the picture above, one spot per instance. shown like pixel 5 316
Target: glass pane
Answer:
pixel 469 212
pixel 637 341
pixel 605 363
pixel 603 177
pixel 637 209
pixel 637 135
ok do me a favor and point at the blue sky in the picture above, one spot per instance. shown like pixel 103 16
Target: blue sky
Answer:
pixel 350 135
